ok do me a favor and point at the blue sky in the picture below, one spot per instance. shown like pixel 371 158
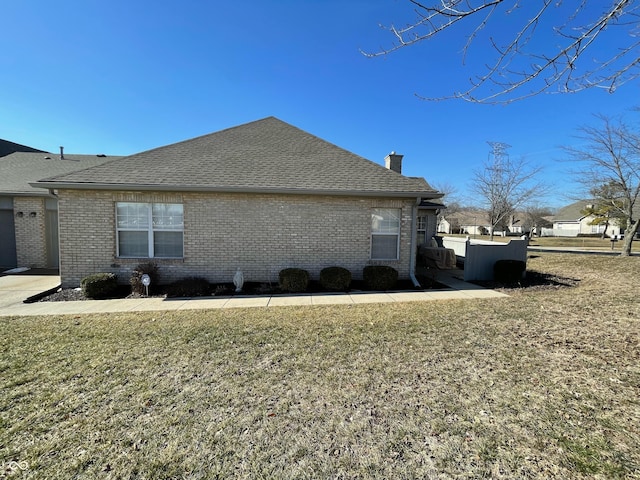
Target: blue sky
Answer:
pixel 121 77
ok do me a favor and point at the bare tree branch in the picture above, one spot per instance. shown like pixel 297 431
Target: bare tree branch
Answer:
pixel 505 186
pixel 610 161
pixel 523 66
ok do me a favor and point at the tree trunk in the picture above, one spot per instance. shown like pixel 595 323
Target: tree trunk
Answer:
pixel 629 235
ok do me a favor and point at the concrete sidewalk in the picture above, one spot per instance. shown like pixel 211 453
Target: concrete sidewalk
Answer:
pixel 18 289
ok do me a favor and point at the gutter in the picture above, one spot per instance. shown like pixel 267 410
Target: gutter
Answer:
pixel 414 236
pixel 242 189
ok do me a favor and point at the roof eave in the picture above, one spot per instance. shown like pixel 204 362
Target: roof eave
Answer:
pixel 213 189
pixel 33 193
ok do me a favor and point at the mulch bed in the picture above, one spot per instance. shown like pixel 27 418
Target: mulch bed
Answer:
pixel 228 289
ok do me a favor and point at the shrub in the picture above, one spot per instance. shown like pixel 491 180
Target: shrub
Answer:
pixel 380 277
pixel 99 285
pixel 336 279
pixel 509 271
pixel 294 280
pixel 189 287
pixel 148 268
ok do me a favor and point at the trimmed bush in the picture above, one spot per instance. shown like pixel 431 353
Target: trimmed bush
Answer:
pixel 294 280
pixel 335 279
pixel 380 277
pixel 509 271
pixel 99 285
pixel 189 287
pixel 148 268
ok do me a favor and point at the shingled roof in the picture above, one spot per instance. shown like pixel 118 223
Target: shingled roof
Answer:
pixel 19 169
pixel 267 155
pixel 573 212
pixel 7 148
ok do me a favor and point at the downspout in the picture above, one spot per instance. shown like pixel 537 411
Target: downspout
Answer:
pixel 414 236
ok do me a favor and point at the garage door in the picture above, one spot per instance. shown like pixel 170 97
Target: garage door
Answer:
pixel 8 257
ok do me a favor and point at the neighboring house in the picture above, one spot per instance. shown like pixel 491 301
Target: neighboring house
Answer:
pixel 571 222
pixel 28 215
pixel 260 197
pixel 465 221
pixel 469 221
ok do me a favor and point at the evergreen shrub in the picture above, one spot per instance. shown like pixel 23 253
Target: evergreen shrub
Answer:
pixel 335 279
pixel 294 280
pixel 380 277
pixel 508 271
pixel 99 285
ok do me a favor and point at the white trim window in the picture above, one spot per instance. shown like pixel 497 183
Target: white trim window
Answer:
pixel 149 230
pixel 385 233
pixel 421 229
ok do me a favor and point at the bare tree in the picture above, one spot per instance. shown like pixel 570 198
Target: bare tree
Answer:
pixel 450 199
pixel 610 170
pixel 536 217
pixel 536 45
pixel 504 185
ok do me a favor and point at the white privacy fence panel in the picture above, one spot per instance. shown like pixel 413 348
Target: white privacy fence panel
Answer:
pixel 480 255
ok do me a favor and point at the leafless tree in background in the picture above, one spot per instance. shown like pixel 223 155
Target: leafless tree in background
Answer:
pixel 610 170
pixel 537 46
pixel 504 186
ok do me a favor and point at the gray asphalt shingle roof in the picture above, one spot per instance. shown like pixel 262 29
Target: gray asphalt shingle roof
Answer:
pixel 262 156
pixel 19 169
pixel 573 212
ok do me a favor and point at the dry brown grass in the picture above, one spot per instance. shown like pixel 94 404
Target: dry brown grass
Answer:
pixel 544 384
pixel 581 243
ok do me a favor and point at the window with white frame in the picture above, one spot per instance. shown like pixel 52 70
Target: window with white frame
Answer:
pixel 150 230
pixel 385 233
pixel 421 229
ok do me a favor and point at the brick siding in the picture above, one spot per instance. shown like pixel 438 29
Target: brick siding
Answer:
pixel 258 233
pixel 31 248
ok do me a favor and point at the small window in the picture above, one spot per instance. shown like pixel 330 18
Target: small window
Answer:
pixel 150 230
pixel 385 233
pixel 421 229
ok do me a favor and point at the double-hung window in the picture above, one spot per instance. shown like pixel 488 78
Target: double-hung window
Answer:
pixel 421 229
pixel 150 230
pixel 385 233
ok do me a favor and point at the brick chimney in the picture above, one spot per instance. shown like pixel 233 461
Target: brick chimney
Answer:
pixel 393 162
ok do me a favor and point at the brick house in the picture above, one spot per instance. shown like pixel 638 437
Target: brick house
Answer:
pixel 260 197
pixel 29 215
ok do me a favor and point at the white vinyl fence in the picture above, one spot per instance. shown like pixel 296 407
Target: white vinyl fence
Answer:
pixel 479 256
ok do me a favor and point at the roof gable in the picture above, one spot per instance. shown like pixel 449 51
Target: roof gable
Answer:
pixel 573 212
pixel 261 156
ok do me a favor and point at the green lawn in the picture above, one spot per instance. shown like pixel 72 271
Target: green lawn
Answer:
pixel 543 384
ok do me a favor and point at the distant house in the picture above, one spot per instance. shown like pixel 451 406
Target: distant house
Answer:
pixel 468 221
pixel 570 221
pixel 464 221
pixel 29 215
pixel 260 197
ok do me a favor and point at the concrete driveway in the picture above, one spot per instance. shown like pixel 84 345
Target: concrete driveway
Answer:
pixel 15 288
